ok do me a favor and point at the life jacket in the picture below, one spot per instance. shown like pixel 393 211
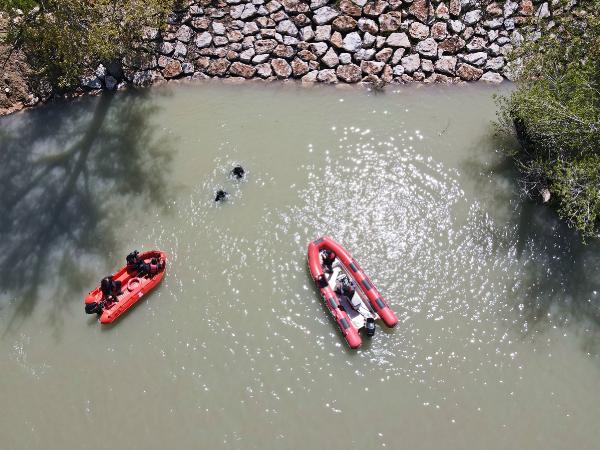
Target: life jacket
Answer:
pixel 153 268
pixel 106 286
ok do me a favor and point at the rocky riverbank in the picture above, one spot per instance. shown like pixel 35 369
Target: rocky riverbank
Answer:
pixel 347 41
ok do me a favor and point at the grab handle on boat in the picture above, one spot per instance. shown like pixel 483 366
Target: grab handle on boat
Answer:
pixel 133 283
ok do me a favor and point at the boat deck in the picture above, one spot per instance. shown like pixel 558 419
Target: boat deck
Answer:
pixel 358 318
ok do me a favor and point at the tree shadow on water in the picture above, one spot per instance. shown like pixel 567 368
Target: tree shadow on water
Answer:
pixel 66 172
pixel 560 276
pixel 563 280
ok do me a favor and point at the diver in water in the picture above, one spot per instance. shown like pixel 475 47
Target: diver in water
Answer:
pixel 221 196
pixel 238 172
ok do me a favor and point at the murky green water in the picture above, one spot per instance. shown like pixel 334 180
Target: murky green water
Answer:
pixel 498 340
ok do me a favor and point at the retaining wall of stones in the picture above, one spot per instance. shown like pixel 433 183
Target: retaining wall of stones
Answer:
pixel 350 41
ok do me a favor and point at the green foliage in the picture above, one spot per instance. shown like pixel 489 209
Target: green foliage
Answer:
pixel 24 5
pixel 555 113
pixel 65 39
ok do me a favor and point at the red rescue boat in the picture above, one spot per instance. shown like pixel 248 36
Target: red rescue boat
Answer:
pixel 363 306
pixel 134 285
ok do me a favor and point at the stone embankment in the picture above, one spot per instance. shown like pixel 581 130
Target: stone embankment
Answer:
pixel 347 41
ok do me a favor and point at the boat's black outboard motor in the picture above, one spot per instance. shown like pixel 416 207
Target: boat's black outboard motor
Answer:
pixel 221 196
pixel 93 308
pixel 238 172
pixel 370 326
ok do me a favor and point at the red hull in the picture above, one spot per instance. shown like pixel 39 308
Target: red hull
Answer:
pixel 133 287
pixel 362 282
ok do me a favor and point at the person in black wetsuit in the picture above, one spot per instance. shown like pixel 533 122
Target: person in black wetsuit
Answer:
pixel 328 257
pixel 110 289
pixel 345 287
pixel 137 264
pixel 133 261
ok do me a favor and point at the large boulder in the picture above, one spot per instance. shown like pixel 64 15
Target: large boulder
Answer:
pixel 294 6
pixel 327 76
pixel 299 67
pixel 281 68
pixel 323 33
pixel 350 8
pixel 344 23
pixel 384 54
pixel 446 64
pixel 319 48
pixel 352 42
pixel 420 9
pixel 439 31
pixel 476 59
pixel 367 26
pixel 287 27
pixel 390 22
pixel 242 70
pixel 418 30
pixel 184 34
pixel 472 17
pixel 248 12
pixel 146 78
pixel 350 73
pixel 203 40
pixel 325 15
pixel 398 40
pixel 265 45
pixel 428 47
pixel 218 67
pixel 172 69
pixel 468 73
pixel 492 77
pixel 371 67
pixel 375 9
pixel 91 83
pixel 330 59
pixel 307 34
pixel 452 45
pixel 411 63
pixel 264 70
pixel 455 7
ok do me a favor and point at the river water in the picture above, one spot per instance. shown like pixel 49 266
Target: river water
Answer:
pixel 498 341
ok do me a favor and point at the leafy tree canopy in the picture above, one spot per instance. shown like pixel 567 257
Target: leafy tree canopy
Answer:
pixel 65 39
pixel 555 112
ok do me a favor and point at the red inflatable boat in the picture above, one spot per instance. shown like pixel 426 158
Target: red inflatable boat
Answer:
pixel 363 306
pixel 134 285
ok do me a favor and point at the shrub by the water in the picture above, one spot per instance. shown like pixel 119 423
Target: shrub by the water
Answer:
pixel 555 114
pixel 7 5
pixel 65 39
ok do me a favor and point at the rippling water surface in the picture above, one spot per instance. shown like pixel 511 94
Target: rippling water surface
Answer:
pixel 497 345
